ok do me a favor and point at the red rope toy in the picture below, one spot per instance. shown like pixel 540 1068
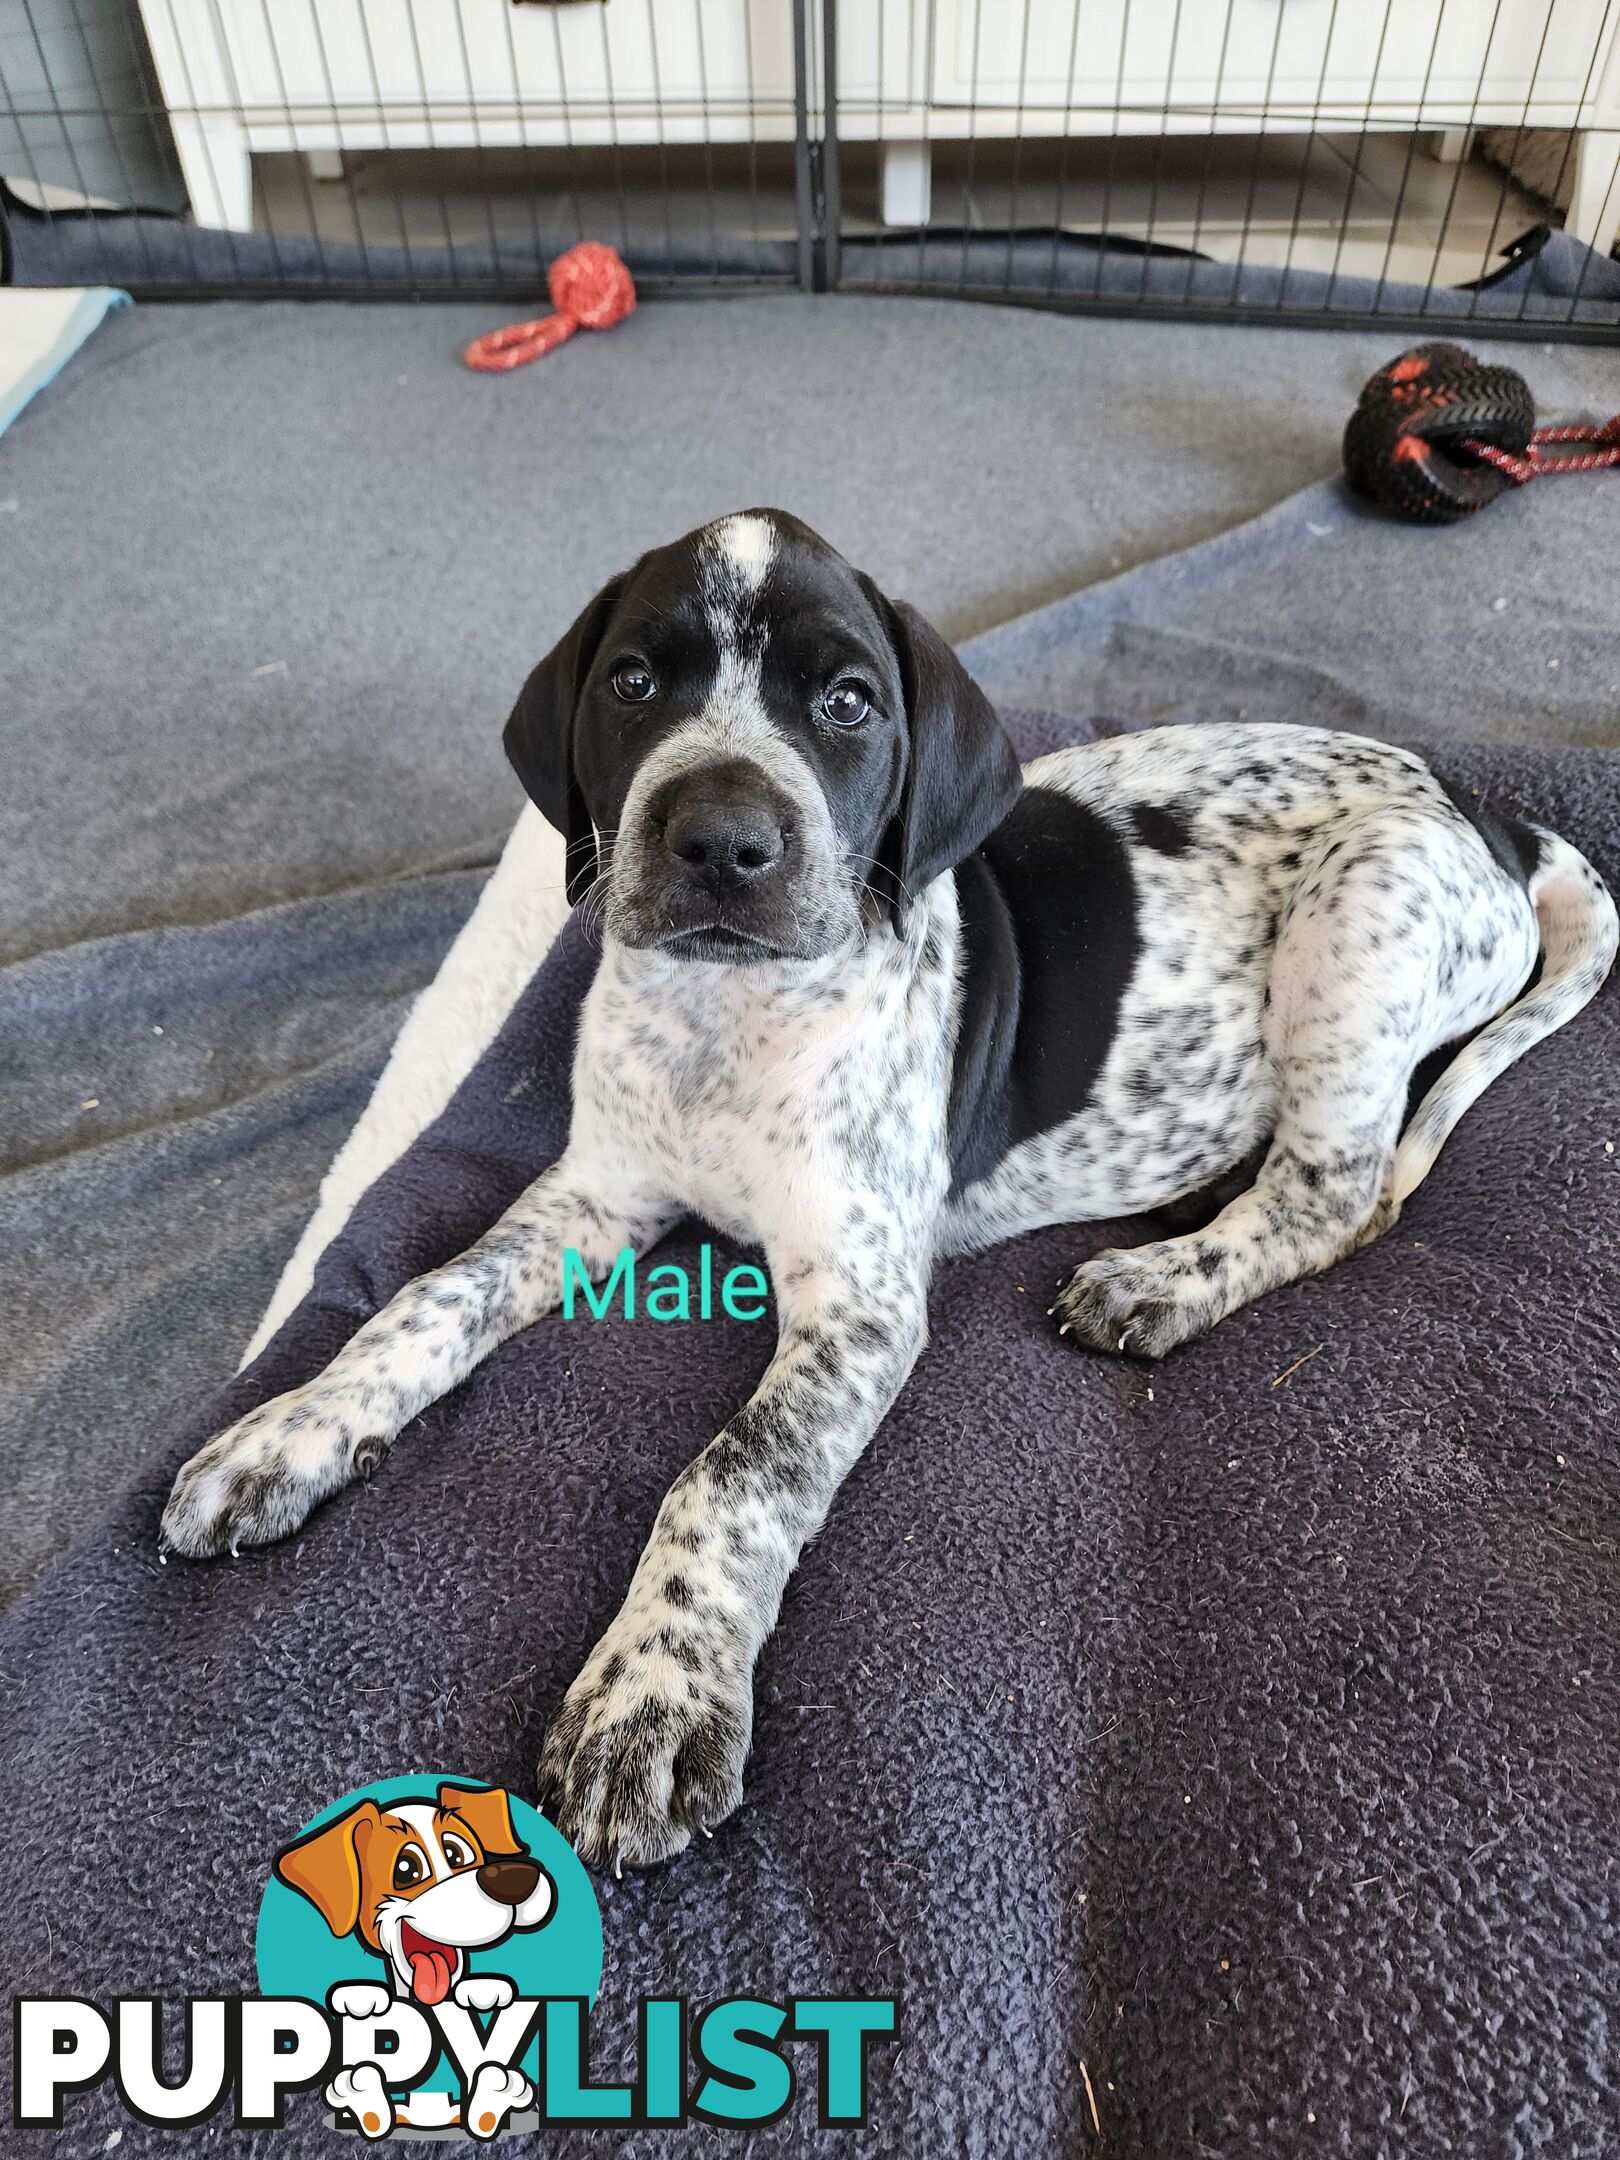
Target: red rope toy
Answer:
pixel 1436 436
pixel 591 290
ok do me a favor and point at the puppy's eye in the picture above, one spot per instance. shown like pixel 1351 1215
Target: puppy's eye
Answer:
pixel 409 1869
pixel 846 704
pixel 633 681
pixel 457 1854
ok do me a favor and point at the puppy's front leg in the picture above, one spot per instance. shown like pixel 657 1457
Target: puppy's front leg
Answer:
pixel 259 1479
pixel 650 1741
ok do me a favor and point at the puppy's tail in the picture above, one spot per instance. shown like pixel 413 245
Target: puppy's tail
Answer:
pixel 1579 934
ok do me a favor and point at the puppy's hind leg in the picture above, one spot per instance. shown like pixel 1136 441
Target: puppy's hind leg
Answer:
pixel 1373 967
pixel 1316 1198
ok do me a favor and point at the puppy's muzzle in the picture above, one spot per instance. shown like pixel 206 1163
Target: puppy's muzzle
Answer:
pixel 725 845
pixel 721 860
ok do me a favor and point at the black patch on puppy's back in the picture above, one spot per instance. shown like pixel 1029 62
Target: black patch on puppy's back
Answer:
pixel 1162 826
pixel 1050 942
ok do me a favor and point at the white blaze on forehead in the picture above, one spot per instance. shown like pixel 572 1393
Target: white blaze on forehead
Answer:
pixel 745 546
pixel 420 1814
pixel 733 558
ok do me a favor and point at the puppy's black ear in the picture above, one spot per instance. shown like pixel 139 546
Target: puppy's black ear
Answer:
pixel 539 738
pixel 962 774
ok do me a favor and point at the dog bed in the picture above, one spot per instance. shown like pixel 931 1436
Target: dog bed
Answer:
pixel 1228 1746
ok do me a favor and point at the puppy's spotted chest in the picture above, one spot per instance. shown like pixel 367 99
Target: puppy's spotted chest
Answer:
pixel 741 1085
pixel 870 995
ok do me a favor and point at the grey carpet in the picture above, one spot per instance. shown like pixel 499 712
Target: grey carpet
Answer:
pixel 273 573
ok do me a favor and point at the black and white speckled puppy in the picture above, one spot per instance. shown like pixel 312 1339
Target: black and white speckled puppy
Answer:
pixel 869 996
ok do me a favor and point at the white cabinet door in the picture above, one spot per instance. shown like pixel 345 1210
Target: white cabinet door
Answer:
pixel 1382 61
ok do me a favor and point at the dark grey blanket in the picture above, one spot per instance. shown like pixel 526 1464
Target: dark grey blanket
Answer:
pixel 1244 1730
pixel 1543 275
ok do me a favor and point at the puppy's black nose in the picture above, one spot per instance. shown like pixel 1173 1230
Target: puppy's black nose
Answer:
pixel 725 845
pixel 509 1881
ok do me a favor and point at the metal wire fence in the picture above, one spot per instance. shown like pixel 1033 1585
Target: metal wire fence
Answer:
pixel 1279 160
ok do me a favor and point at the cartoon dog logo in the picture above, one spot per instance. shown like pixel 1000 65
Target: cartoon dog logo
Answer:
pixel 421 1884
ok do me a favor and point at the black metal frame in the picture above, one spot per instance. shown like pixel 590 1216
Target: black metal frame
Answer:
pixel 1445 318
pixel 827 248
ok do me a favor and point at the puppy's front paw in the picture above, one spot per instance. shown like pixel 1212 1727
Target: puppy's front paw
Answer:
pixel 1141 1303
pixel 648 1746
pixel 256 1481
pixel 358 1999
pixel 484 1991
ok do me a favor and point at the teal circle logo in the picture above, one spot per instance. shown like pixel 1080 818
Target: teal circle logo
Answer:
pixel 429 1891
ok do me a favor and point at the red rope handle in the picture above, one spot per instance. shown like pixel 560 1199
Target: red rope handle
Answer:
pixel 1603 448
pixel 518 343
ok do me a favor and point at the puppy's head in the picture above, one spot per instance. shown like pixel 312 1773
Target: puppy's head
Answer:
pixel 422 1882
pixel 755 750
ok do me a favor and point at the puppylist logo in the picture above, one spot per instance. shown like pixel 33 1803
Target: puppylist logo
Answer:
pixel 428 1952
